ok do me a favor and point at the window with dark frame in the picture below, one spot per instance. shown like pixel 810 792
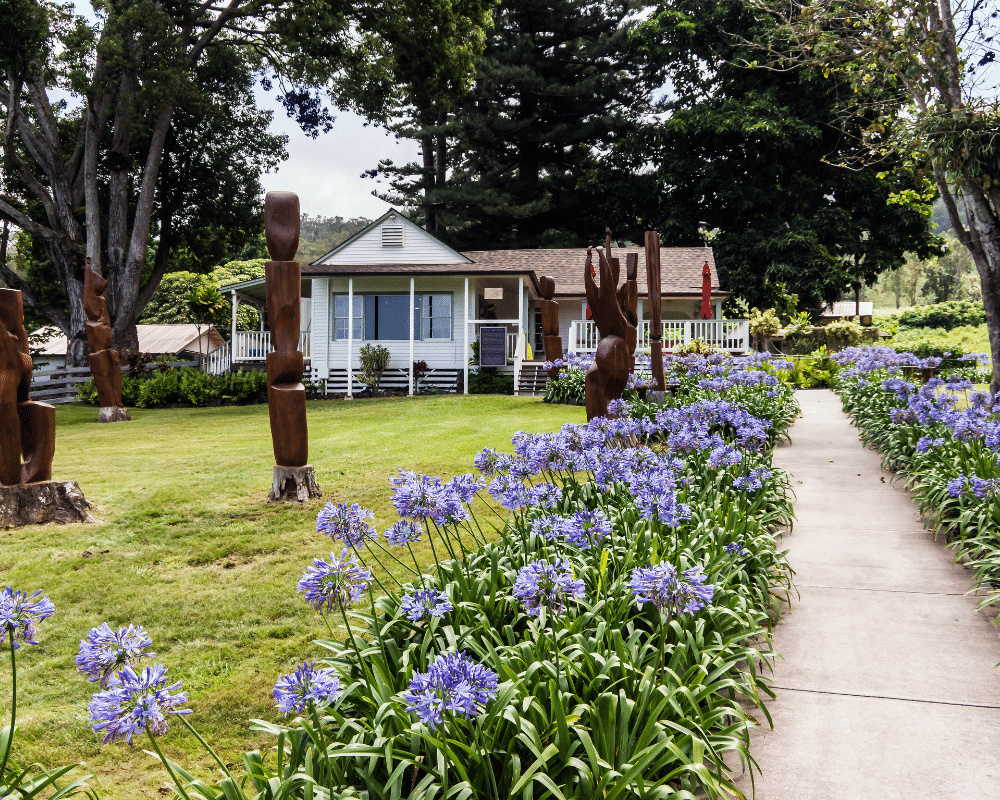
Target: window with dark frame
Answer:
pixel 386 317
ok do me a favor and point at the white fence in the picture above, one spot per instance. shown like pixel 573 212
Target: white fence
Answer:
pixel 727 334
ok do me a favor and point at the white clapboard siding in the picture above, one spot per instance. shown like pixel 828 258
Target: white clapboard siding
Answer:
pixel 418 247
pixel 320 328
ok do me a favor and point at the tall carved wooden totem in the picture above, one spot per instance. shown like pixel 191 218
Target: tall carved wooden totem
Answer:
pixel 294 478
pixel 105 366
pixel 28 428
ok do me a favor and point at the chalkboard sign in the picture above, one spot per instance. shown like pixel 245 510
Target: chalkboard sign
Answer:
pixel 493 347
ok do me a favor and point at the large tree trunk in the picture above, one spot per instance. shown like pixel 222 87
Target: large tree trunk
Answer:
pixel 984 235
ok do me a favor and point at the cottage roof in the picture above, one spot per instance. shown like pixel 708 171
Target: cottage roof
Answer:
pixel 152 339
pixel 680 268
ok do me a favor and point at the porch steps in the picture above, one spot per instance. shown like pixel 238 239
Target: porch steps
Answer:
pixel 532 380
pixel 396 380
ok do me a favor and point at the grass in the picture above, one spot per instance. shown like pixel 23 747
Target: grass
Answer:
pixel 188 548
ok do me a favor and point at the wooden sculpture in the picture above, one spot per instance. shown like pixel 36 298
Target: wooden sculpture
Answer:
pixel 27 493
pixel 628 294
pixel 655 320
pixel 551 340
pixel 608 375
pixel 294 478
pixel 105 365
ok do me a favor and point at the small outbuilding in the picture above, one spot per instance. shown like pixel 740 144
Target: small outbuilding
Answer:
pixel 186 341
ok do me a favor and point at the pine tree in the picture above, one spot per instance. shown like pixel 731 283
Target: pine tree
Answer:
pixel 558 82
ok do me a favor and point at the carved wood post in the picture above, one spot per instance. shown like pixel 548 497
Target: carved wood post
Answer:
pixel 608 375
pixel 551 340
pixel 105 365
pixel 28 495
pixel 655 319
pixel 293 477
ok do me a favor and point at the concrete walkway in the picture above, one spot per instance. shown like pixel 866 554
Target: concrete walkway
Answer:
pixel 887 681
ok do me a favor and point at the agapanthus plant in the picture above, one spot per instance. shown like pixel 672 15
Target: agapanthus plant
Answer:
pixel 135 702
pixel 455 684
pixel 425 603
pixel 335 584
pixel 306 688
pixel 551 585
pixel 661 586
pixel 106 651
pixel 19 614
pixel 347 524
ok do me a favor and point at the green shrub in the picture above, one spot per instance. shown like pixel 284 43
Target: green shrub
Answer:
pixel 843 333
pixel 374 361
pixel 185 386
pixel 763 325
pixel 485 382
pixel 948 315
pixel 697 346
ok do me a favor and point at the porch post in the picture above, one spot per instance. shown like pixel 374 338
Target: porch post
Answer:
pixel 520 317
pixel 718 309
pixel 350 334
pixel 232 322
pixel 465 353
pixel 412 299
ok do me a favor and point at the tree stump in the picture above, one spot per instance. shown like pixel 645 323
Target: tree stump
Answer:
pixel 113 414
pixel 294 483
pixel 61 502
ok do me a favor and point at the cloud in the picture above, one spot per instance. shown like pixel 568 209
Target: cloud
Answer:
pixel 326 172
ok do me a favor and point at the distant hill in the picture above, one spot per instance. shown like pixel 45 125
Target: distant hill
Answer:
pixel 319 235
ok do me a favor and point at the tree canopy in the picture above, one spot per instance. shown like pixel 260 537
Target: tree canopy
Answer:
pixel 159 141
pixel 918 78
pixel 504 164
pixel 751 155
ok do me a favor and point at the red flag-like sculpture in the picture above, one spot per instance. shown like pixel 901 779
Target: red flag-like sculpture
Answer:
pixel 706 292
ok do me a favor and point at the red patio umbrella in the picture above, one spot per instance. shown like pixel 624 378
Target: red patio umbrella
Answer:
pixel 706 292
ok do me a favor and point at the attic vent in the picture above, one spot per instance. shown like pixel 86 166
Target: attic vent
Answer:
pixel 392 233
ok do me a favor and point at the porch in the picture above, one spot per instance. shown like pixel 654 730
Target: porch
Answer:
pixel 731 335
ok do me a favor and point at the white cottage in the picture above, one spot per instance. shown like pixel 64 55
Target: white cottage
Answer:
pixel 396 284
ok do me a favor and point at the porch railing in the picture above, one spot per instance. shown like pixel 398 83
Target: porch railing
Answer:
pixel 247 346
pixel 727 334
pixel 255 345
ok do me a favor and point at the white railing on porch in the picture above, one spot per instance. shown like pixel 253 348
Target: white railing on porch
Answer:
pixel 247 346
pixel 255 345
pixel 727 334
pixel 218 361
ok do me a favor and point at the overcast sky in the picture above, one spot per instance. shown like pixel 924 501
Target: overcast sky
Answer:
pixel 326 172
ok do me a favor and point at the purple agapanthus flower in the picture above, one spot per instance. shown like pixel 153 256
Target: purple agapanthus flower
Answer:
pixel 106 651
pixel 660 586
pixel 347 524
pixel 453 683
pixel 135 702
pixel 586 528
pixel 305 688
pixel 465 486
pixel 491 463
pixel 425 603
pixel 335 584
pixel 735 548
pixel 753 480
pixel 19 615
pixel 541 583
pixel 422 497
pixel 403 532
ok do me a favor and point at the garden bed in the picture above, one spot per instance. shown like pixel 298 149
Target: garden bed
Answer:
pixel 600 637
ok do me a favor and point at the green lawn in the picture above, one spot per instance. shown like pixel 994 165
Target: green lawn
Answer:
pixel 187 547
